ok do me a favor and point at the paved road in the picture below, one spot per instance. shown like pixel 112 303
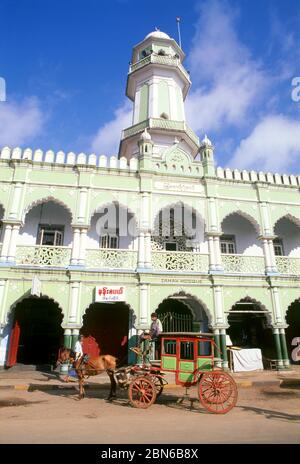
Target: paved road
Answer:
pixel 264 415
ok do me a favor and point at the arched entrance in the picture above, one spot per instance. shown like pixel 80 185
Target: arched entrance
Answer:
pixel 293 331
pixel 105 328
pixel 182 313
pixel 36 333
pixel 249 327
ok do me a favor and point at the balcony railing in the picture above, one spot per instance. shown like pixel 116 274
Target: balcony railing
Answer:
pixel 160 123
pixel 159 59
pixel 243 264
pixel 180 261
pixel 43 255
pixel 288 265
pixel 110 258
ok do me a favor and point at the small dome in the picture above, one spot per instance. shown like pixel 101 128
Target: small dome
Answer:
pixel 206 141
pixel 158 35
pixel 145 136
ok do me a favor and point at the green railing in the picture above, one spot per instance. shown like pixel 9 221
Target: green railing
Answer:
pixel 160 123
pixel 162 60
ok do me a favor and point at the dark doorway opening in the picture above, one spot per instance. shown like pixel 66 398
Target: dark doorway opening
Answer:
pixel 36 333
pixel 248 328
pixel 105 328
pixel 175 316
pixel 293 330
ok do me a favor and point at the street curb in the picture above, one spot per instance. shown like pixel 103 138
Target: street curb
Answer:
pixel 292 383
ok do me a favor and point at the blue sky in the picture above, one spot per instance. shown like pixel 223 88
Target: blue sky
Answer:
pixel 65 65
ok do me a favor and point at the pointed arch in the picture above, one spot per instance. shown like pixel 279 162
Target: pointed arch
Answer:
pixel 44 200
pixel 288 216
pixel 28 295
pixel 245 215
pixel 254 301
pixel 193 297
pixel 107 203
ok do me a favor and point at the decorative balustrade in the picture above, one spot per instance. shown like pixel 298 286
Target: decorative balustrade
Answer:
pixel 179 261
pixel 159 59
pixel 43 255
pixel 160 123
pixel 243 264
pixel 287 265
pixel 108 258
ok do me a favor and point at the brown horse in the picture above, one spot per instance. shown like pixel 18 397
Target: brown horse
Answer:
pixel 93 366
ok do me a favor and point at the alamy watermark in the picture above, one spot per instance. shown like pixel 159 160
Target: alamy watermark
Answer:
pixel 2 89
pixel 296 89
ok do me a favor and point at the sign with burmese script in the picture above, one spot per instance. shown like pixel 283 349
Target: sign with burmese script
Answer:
pixel 110 293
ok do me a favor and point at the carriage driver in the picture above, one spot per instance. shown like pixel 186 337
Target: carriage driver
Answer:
pixel 78 353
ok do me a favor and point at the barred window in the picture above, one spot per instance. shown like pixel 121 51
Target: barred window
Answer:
pixel 278 247
pixel 227 244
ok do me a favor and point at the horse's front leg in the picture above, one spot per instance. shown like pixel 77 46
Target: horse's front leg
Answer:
pixel 113 386
pixel 81 387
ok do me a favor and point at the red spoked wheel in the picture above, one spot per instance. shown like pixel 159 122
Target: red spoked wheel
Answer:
pixel 217 392
pixel 142 392
pixel 158 383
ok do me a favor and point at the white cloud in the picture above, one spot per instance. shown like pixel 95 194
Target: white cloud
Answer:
pixel 273 145
pixel 20 122
pixel 107 139
pixel 228 81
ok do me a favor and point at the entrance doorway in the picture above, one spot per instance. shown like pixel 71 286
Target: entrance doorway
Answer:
pixel 248 327
pixel 36 333
pixel 182 313
pixel 105 328
pixel 293 331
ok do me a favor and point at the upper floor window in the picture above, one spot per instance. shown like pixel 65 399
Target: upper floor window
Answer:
pixel 50 235
pixel 278 247
pixel 170 246
pixel 227 243
pixel 109 241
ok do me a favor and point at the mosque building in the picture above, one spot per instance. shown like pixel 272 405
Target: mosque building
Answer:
pixel 93 244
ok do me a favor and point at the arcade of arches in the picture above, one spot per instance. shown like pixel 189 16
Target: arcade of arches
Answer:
pixel 37 334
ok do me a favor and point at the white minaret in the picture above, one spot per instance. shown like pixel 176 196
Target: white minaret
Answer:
pixel 158 84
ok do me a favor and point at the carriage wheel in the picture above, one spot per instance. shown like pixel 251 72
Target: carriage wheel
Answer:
pixel 142 392
pixel 217 392
pixel 158 383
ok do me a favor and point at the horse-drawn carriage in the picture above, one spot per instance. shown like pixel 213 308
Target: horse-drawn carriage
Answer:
pixel 191 358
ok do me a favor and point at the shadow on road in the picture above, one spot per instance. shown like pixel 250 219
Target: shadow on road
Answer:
pixel 269 414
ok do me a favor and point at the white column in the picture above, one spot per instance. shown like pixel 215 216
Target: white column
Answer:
pixel 218 300
pixel 267 255
pixel 6 242
pixel 144 304
pixel 212 211
pixel 141 252
pixel 75 246
pixel 277 306
pixel 212 259
pixel 265 218
pixel 82 205
pixel 151 100
pixel 148 250
pixel 173 101
pixel 82 250
pixel 13 242
pixel 154 113
pixel 15 206
pixel 272 255
pixel 2 308
pixel 218 258
pixel 74 300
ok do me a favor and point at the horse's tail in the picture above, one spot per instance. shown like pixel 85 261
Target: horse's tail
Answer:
pixel 110 361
